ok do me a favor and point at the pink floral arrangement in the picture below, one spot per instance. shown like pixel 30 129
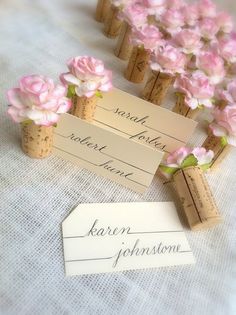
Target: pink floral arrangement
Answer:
pixel 224 124
pixel 87 76
pixel 186 157
pixel 147 36
pixel 197 89
pixel 168 60
pixel 39 100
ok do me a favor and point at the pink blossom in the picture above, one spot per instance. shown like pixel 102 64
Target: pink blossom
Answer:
pixel 224 22
pixel 189 40
pixel 224 123
pixel 172 20
pixel 175 4
pixel 197 89
pixel 147 36
pixel 228 94
pixel 39 100
pixel 134 14
pixel 176 158
pixel 207 8
pixel 88 75
pixel 169 60
pixel 213 66
pixel 154 7
pixel 208 28
pixel 227 49
pixel 203 156
pixel 191 14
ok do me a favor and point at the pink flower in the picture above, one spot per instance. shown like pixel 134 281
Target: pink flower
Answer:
pixel 175 4
pixel 208 28
pixel 172 20
pixel 169 60
pixel 207 8
pixel 203 156
pixel 189 40
pixel 194 157
pixel 213 66
pixel 147 36
pixel 134 14
pixel 154 7
pixel 197 89
pixel 191 14
pixel 88 75
pixel 227 49
pixel 176 158
pixel 225 22
pixel 224 123
pixel 228 94
pixel 38 99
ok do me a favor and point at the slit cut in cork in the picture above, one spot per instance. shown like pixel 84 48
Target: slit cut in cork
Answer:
pixel 156 87
pixel 138 64
pixel 112 25
pixel 102 10
pixel 124 47
pixel 184 110
pixel 220 152
pixel 196 198
pixel 36 141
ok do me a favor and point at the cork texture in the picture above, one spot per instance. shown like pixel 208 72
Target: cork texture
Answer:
pixel 214 143
pixel 124 48
pixel 85 107
pixel 184 110
pixel 196 198
pixel 102 10
pixel 112 25
pixel 156 87
pixel 137 66
pixel 36 141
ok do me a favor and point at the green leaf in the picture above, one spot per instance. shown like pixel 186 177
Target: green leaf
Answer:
pixel 223 141
pixel 71 91
pixel 168 169
pixel 190 160
pixel 205 166
pixel 98 94
pixel 55 125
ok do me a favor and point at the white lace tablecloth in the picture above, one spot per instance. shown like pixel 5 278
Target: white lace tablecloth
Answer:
pixel 35 196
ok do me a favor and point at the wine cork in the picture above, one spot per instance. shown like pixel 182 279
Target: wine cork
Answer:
pixel 85 107
pixel 124 47
pixel 156 87
pixel 102 10
pixel 112 25
pixel 196 198
pixel 184 110
pixel 220 152
pixel 36 141
pixel 138 64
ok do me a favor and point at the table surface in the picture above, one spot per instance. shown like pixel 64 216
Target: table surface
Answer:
pixel 38 37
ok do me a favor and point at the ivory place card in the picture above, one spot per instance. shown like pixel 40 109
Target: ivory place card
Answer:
pixel 126 162
pixel 143 121
pixel 110 237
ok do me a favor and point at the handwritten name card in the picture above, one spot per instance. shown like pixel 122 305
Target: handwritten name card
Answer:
pixel 126 162
pixel 100 238
pixel 143 121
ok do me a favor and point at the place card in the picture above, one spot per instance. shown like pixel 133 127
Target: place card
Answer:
pixel 110 237
pixel 126 162
pixel 142 121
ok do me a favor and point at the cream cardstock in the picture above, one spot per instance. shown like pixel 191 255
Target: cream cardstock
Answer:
pixel 110 237
pixel 143 121
pixel 126 162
